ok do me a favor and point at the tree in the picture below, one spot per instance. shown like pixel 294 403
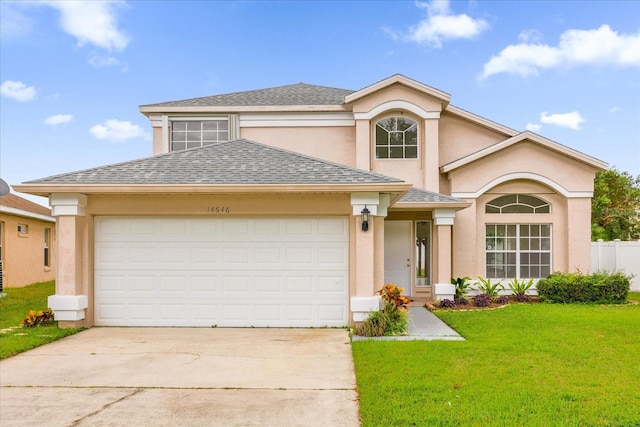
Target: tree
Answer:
pixel 615 207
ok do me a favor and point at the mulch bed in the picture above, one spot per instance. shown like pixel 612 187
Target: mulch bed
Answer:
pixel 470 306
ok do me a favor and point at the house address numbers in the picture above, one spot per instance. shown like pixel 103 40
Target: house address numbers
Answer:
pixel 218 209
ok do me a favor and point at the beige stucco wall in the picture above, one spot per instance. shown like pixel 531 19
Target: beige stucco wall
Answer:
pixel 570 212
pixel 524 157
pixel 460 137
pixel 23 254
pixel 336 144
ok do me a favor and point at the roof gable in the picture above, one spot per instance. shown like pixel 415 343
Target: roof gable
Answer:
pixel 238 162
pixel 525 136
pixel 399 79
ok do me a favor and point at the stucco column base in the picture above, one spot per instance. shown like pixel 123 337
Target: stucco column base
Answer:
pixel 361 307
pixel 68 307
pixel 444 291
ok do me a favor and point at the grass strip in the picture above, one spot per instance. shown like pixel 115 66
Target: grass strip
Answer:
pixel 14 307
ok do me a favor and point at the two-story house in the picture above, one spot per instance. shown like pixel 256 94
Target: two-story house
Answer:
pixel 292 205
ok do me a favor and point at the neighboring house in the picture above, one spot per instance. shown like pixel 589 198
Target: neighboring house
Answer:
pixel 27 233
pixel 250 212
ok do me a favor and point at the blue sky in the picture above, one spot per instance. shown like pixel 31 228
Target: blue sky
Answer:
pixel 72 74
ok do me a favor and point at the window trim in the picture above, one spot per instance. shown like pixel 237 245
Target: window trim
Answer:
pixel 404 145
pixel 23 229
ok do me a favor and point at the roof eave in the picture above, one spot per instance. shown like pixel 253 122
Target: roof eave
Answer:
pixel 48 189
pixel 226 109
pixel 439 205
pixel 7 210
pixel 489 124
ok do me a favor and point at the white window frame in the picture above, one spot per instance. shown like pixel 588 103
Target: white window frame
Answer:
pixel 518 250
pixel 404 144
pixel 535 209
pixel 47 247
pixel 167 120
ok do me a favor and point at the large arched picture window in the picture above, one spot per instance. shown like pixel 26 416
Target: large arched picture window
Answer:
pixel 396 138
pixel 515 250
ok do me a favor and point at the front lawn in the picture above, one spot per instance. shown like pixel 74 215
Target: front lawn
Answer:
pixel 522 365
pixel 14 306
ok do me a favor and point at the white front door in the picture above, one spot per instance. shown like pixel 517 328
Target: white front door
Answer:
pixel 397 254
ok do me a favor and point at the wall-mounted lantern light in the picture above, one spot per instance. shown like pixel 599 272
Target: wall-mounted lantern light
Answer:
pixel 365 218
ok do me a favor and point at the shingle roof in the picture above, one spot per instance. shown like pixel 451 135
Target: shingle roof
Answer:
pixel 234 162
pixel 416 195
pixel 296 94
pixel 13 201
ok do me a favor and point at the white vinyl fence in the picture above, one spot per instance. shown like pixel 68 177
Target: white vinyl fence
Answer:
pixel 617 256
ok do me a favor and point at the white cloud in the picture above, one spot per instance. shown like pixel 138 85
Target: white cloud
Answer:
pixel 530 35
pixel 615 109
pixel 92 22
pixel 570 120
pixel 118 130
pixel 440 25
pixel 58 119
pixel 17 90
pixel 13 21
pixel 533 127
pixel 100 61
pixel 576 47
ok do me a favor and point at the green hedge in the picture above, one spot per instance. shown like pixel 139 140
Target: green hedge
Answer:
pixel 597 288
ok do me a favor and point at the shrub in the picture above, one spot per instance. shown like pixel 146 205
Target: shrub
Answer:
pixel 392 294
pixel 502 300
pixel 482 300
pixel 520 288
pixel 392 319
pixel 461 301
pixel 597 288
pixel 491 289
pixel 447 303
pixel 33 319
pixel 462 285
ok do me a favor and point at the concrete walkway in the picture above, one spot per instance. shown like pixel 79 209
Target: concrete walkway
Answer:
pixel 423 326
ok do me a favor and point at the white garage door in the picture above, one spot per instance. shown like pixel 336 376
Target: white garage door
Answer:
pixel 187 271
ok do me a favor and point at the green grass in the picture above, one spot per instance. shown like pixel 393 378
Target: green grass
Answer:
pixel 522 365
pixel 14 306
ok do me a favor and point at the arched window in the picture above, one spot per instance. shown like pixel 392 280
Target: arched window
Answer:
pixel 396 138
pixel 517 203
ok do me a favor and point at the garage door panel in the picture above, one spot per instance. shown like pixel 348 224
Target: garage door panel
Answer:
pixel 221 271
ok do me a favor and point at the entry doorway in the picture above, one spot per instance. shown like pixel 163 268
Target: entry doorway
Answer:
pixel 407 256
pixel 398 249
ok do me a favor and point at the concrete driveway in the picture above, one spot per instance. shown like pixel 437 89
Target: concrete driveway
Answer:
pixel 183 377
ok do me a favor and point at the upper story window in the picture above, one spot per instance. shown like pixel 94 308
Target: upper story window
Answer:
pixel 197 133
pixel 396 138
pixel 517 203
